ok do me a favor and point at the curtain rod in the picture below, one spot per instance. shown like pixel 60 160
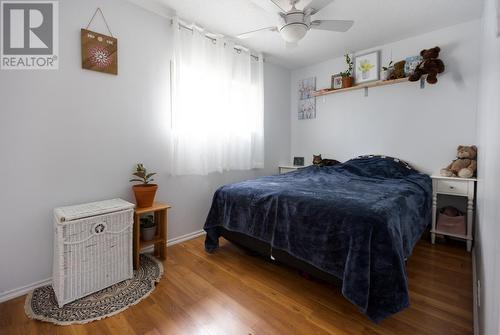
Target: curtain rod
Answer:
pixel 214 39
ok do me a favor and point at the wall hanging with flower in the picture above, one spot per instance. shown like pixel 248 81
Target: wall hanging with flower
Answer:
pixel 99 52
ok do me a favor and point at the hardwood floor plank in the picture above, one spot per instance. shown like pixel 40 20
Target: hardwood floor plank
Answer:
pixel 231 292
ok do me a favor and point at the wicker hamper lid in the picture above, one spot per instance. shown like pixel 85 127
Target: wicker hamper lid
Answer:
pixel 71 213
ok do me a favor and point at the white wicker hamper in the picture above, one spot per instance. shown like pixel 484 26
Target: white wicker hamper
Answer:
pixel 92 248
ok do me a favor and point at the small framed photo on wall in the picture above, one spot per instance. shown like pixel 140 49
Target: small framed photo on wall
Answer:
pixel 336 81
pixel 367 67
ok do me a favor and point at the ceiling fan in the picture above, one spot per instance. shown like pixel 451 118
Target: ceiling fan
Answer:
pixel 295 23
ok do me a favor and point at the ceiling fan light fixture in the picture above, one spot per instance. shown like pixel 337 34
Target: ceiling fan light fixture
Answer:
pixel 294 32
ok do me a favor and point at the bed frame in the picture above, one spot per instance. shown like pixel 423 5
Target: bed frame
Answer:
pixel 263 249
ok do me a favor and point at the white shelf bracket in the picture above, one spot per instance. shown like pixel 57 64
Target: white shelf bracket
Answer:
pixel 366 91
pixel 422 83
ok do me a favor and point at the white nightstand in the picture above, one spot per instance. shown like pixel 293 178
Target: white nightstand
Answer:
pixel 288 168
pixel 463 187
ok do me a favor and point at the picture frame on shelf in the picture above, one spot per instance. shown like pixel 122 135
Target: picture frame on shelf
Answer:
pixel 337 81
pixel 367 67
pixel 411 64
pixel 298 161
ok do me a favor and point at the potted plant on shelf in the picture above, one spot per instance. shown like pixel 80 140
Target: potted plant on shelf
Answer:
pixel 148 228
pixel 347 79
pixel 386 71
pixel 144 192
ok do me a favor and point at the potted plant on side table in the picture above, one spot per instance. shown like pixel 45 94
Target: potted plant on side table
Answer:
pixel 144 192
pixel 148 228
pixel 347 79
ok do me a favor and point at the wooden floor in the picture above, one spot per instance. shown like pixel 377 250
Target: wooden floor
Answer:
pixel 230 292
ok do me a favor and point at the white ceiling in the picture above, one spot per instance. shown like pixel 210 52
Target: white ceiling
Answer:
pixel 377 22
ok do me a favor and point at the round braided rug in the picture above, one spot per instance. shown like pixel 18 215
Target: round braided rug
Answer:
pixel 41 304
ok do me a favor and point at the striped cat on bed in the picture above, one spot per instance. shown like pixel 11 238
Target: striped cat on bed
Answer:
pixel 317 160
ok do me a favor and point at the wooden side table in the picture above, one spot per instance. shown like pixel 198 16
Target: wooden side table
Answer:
pixel 159 241
pixel 462 187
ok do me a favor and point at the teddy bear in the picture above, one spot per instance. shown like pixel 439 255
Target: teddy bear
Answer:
pixel 430 65
pixel 465 165
pixel 398 70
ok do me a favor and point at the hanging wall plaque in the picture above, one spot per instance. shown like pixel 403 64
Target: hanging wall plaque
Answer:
pixel 99 52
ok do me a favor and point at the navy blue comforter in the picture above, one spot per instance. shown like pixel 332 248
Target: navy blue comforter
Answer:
pixel 357 221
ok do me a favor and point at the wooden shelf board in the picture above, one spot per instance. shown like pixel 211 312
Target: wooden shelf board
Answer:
pixel 463 237
pixel 155 240
pixel 157 206
pixel 362 86
pixel 452 178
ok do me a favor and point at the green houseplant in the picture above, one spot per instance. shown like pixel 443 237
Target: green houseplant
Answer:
pixel 386 71
pixel 145 191
pixel 347 79
pixel 148 228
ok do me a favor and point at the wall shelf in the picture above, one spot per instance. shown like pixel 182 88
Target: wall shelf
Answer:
pixel 366 86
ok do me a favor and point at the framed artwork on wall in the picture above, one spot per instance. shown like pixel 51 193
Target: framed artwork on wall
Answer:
pixel 367 67
pixel 99 52
pixel 307 109
pixel 498 18
pixel 307 101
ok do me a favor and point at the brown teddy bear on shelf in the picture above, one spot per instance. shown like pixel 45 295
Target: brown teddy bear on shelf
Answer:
pixel 465 165
pixel 398 70
pixel 430 65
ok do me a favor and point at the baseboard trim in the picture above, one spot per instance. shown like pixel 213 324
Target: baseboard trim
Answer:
pixel 475 315
pixel 17 292
pixel 185 238
pixel 178 240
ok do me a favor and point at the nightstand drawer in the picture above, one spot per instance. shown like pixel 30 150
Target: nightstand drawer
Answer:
pixel 453 187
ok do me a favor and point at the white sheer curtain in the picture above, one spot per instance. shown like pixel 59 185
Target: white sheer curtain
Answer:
pixel 217 105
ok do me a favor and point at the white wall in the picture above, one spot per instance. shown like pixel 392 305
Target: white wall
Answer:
pixel 73 136
pixel 487 247
pixel 423 127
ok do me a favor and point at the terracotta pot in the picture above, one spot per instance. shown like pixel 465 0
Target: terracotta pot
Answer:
pixel 145 194
pixel 347 82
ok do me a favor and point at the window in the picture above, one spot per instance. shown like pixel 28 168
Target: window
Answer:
pixel 217 105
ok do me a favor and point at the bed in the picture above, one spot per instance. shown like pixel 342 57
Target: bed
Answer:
pixel 357 221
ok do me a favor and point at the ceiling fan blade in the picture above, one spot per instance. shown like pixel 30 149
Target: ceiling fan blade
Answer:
pixel 270 6
pixel 332 25
pixel 316 5
pixel 255 32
